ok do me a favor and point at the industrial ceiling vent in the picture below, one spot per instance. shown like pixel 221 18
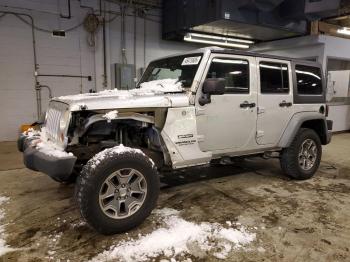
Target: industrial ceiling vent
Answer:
pixel 240 23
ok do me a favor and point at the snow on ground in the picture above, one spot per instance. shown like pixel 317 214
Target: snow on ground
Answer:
pixel 178 238
pixel 4 248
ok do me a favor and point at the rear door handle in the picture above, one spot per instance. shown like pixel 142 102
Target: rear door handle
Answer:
pixel 285 104
pixel 246 104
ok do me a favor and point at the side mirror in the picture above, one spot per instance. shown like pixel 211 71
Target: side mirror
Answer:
pixel 214 86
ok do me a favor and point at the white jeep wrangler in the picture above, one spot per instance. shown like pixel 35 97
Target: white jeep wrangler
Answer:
pixel 187 110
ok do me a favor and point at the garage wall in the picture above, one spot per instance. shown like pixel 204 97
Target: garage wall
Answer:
pixel 69 55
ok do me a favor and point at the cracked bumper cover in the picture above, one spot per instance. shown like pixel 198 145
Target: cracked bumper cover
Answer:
pixel 58 168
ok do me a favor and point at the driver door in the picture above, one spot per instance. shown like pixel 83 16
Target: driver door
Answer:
pixel 228 122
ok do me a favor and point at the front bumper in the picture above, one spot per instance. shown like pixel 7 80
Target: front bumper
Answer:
pixel 58 168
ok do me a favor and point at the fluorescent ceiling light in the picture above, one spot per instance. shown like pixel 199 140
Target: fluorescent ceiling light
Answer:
pixel 344 31
pixel 213 40
pixel 221 38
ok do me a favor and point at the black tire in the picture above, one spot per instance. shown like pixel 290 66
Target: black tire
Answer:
pixel 91 180
pixel 290 156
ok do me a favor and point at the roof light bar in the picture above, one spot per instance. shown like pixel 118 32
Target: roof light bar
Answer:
pixel 344 31
pixel 217 40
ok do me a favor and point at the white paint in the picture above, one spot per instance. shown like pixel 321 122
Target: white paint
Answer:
pixel 133 101
pixel 217 121
pixel 180 136
pixel 273 120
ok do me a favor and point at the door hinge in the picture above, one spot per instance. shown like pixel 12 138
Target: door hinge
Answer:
pixel 200 138
pixel 261 110
pixel 200 111
pixel 259 133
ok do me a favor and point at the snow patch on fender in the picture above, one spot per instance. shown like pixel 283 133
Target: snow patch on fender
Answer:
pixel 178 238
pixel 111 115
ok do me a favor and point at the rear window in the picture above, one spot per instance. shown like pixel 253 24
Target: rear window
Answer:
pixel 309 80
pixel 273 78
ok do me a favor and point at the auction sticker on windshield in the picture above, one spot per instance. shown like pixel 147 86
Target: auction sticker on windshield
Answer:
pixel 193 60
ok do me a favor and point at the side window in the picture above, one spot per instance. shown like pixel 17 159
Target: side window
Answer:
pixel 234 71
pixel 274 78
pixel 309 80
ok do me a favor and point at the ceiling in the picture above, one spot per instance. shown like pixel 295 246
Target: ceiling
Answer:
pixel 343 16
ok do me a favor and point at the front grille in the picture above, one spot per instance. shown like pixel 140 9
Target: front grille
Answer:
pixel 54 114
pixel 52 125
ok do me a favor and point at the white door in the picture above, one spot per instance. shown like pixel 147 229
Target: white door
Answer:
pixel 275 99
pixel 228 122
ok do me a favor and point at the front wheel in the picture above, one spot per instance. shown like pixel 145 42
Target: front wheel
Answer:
pixel 117 189
pixel 302 158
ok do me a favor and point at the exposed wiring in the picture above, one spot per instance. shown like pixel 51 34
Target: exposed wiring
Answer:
pixel 116 14
pixel 48 88
pixel 47 30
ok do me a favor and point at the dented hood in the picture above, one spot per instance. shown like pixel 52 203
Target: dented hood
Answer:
pixel 157 93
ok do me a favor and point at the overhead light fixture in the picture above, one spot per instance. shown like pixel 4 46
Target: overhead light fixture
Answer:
pixel 344 31
pixel 217 40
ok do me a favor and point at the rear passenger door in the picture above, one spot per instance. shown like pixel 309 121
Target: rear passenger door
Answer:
pixel 275 99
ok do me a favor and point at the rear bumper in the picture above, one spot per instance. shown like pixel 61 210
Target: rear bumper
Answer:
pixel 58 168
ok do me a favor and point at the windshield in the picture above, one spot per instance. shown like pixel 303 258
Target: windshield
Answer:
pixel 180 68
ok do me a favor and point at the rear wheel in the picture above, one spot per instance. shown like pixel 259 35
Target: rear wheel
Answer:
pixel 302 158
pixel 117 190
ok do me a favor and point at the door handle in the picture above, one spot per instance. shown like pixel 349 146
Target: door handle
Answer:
pixel 246 104
pixel 284 103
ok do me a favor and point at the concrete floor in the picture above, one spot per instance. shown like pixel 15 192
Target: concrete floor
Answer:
pixel 293 220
